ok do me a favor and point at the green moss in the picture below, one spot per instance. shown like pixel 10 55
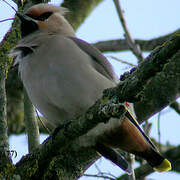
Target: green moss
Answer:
pixel 7 172
pixel 32 170
pixel 104 100
pixel 52 165
pixel 8 42
pixel 177 33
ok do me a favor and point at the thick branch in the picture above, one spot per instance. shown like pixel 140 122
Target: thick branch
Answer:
pixel 59 143
pixel 155 81
pixel 4 145
pixel 122 45
pixel 161 90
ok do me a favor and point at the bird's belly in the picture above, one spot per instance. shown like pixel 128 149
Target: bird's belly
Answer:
pixel 61 93
pixel 59 104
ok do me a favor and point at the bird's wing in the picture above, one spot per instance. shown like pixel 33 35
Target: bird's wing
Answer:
pixel 100 63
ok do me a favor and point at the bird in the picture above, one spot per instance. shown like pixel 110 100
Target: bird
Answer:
pixel 64 75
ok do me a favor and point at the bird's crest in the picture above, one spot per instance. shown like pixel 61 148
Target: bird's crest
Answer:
pixel 42 8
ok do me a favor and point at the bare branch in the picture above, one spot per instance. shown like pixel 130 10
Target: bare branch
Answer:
pixel 10 6
pixel 121 44
pixel 8 19
pixel 99 176
pixel 31 124
pixel 134 47
pixel 159 131
pixel 131 158
pixel 122 61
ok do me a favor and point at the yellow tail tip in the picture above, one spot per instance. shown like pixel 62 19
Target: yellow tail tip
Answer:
pixel 164 166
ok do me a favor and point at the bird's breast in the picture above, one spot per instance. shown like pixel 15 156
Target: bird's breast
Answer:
pixel 62 78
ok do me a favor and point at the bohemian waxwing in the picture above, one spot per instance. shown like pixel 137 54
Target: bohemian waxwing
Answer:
pixel 64 76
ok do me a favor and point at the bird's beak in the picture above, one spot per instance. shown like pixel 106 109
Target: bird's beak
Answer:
pixel 28 25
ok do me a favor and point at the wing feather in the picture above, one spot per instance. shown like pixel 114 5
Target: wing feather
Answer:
pixel 100 63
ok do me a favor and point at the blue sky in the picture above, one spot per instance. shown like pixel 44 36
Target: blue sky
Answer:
pixel 145 20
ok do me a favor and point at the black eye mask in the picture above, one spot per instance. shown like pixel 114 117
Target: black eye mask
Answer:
pixel 42 17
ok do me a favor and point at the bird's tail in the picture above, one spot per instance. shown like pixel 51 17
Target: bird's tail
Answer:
pixel 129 137
pixel 149 151
pixel 155 159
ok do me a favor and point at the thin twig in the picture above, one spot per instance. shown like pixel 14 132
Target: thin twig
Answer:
pixel 97 168
pixel 122 61
pixel 147 127
pixel 8 19
pixel 10 5
pixel 132 45
pixel 131 159
pixel 99 176
pixel 159 131
pixel 102 174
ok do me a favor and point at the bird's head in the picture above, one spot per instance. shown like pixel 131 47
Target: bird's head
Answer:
pixel 45 18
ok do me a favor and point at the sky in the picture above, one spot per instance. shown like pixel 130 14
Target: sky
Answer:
pixel 145 20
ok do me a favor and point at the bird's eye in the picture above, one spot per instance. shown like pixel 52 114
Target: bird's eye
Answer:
pixel 42 17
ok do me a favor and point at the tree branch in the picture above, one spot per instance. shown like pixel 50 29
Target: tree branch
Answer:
pixel 4 145
pixel 122 61
pixel 176 106
pixel 59 142
pixel 155 98
pixel 152 77
pixel 121 44
pixel 31 123
pixel 130 41
pixel 100 176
